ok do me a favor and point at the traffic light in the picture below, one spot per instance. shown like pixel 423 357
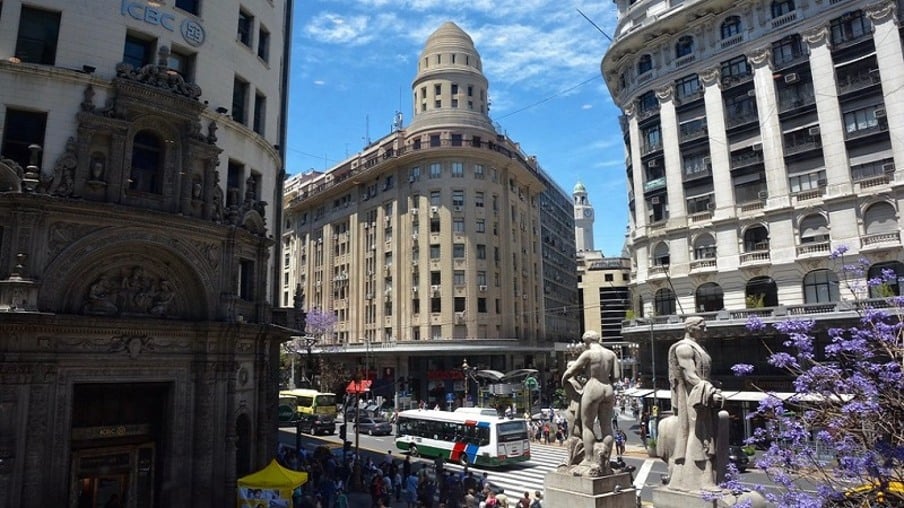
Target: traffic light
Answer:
pixel 342 431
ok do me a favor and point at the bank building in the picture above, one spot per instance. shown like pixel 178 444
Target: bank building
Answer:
pixel 140 184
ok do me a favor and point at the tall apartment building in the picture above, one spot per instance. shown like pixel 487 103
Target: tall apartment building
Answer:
pixel 427 244
pixel 759 137
pixel 140 150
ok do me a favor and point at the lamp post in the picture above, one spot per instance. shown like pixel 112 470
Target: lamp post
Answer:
pixel 655 411
pixel 294 347
pixel 468 372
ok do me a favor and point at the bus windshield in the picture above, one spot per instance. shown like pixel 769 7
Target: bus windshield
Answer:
pixel 512 431
pixel 327 399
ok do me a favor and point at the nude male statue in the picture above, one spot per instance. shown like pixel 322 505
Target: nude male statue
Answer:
pixel 600 366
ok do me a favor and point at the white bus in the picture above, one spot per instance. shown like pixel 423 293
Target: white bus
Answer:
pixel 463 437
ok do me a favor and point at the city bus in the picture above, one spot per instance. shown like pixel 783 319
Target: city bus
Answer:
pixel 312 402
pixel 467 437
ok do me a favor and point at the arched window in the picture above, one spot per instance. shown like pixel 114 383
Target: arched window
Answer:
pixel 661 255
pixel 731 26
pixel 880 219
pixel 709 297
pixel 886 279
pixel 756 238
pixel 684 46
pixel 821 286
pixel 644 64
pixel 782 7
pixel 704 247
pixel 147 163
pixel 761 292
pixel 664 302
pixel 814 229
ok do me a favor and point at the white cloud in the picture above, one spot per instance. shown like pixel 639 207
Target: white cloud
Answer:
pixel 587 106
pixel 319 82
pixel 333 28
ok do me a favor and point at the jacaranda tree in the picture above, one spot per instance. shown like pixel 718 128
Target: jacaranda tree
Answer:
pixel 839 441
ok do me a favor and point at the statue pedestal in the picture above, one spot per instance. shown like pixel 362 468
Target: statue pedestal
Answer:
pixel 566 490
pixel 663 497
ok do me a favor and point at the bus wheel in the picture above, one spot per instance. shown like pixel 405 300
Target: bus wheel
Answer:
pixel 413 451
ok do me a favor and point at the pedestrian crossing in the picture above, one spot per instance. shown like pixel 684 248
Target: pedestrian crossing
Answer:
pixel 522 477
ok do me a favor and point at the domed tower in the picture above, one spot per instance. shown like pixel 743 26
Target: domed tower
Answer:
pixel 583 219
pixel 450 88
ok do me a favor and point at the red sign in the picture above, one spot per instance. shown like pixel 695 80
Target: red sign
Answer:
pixel 358 387
pixel 437 375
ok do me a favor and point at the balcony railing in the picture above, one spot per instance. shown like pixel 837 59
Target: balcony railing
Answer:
pixel 654 184
pixel 691 131
pixel 650 148
pixel 741 119
pixel 703 264
pixel 732 41
pixel 855 82
pixel 746 159
pixel 784 20
pixel 813 248
pixel 756 257
pixel 795 147
pixel 893 237
pixel 809 194
pixel 862 133
pixel 732 80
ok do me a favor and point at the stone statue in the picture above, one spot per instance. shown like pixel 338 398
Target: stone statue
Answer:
pixel 99 298
pixel 600 366
pixel 687 440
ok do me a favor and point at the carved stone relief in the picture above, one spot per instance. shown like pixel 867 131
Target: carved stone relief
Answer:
pixel 130 292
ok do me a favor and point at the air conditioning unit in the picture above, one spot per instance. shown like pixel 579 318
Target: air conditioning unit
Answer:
pixel 792 77
pixel 482 288
pixel 434 210
pixel 412 179
pixel 653 163
pixel 414 211
pixel 880 112
pixel 387 218
pixel 707 161
pixel 751 92
pixel 434 288
pixel 757 147
pixel 762 194
pixel 888 167
pixel 814 131
pixel 365 197
pixel 458 209
pixel 414 236
pixel 373 247
pixel 654 200
pixel 320 240
pixel 366 225
pixel 414 262
pixel 414 289
pixel 710 206
pixel 822 182
pixel 370 296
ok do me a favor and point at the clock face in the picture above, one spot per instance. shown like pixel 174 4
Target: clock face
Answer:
pixel 588 212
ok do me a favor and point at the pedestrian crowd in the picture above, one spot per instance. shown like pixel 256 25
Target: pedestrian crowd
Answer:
pixel 391 480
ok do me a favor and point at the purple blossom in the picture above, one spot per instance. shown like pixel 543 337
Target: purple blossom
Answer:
pixel 742 369
pixel 838 252
pixel 755 324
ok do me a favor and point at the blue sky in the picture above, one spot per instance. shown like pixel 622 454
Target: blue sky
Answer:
pixel 353 62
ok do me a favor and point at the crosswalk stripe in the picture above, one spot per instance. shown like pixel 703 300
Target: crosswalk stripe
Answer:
pixel 526 476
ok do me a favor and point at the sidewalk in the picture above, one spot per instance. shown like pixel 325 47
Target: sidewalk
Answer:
pixel 631 449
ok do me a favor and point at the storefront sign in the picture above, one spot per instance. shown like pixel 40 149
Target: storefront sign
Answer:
pixel 434 375
pixel 191 30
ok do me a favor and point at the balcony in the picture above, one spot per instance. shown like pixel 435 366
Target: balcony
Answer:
pixel 746 159
pixel 754 258
pixel 685 60
pixel 658 271
pixel 809 194
pixel 691 131
pixel 881 240
pixel 855 82
pixel 733 80
pixel 811 249
pixel 700 216
pixel 869 131
pixel 703 265
pixel 793 101
pixel 784 20
pixel 796 147
pixel 657 183
pixel 647 113
pixel 689 98
pixel 650 148
pixel 732 41
pixel 737 120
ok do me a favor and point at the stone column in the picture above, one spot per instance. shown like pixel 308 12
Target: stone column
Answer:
pixel 668 124
pixel 640 210
pixel 719 151
pixel 889 56
pixel 770 128
pixel 831 128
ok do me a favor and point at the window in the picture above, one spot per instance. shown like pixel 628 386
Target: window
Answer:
pixel 478 168
pixel 694 163
pixel 644 64
pixel 814 229
pixel 648 102
pixel 664 302
pixel 246 27
pixel 190 6
pixel 761 292
pixel 861 120
pixel 147 163
pixel 821 286
pixel 480 226
pixel 705 247
pixel 756 238
pixel 260 113
pixel 21 129
pixel 235 176
pixel 781 7
pixel 38 34
pixel 684 46
pixel 458 277
pixel 458 169
pixel 481 278
pixel 482 305
pixel 886 279
pixel 661 255
pixel 246 280
pixel 434 251
pixel 880 219
pixel 458 251
pixel 731 26
pixel 436 170
pixel 239 100
pixel 263 44
pixel 138 51
pixel 478 199
pixel 459 304
pixel 458 225
pixel 687 86
pixel 181 62
pixel 458 198
pixel 709 297
pixel 787 50
pixel 609 277
pixel 435 198
pixel 456 138
pixel 808 181
pixel 849 27
pixel 434 138
pixel 653 137
pixel 434 225
pixel 735 68
pixel 481 251
pixel 436 306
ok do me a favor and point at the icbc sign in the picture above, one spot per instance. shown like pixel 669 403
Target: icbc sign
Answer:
pixel 191 30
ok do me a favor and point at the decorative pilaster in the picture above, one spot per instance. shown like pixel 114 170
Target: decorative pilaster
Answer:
pixel 889 56
pixel 671 151
pixel 640 211
pixel 770 128
pixel 719 152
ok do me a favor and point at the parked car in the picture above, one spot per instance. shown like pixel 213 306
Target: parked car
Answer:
pixel 317 424
pixel 737 457
pixel 374 426
pixel 350 414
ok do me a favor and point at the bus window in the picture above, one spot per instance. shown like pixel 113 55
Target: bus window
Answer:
pixel 511 431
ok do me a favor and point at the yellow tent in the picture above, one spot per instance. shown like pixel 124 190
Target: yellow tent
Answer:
pixel 271 487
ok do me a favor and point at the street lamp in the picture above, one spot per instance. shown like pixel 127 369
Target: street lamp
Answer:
pixel 650 321
pixel 468 372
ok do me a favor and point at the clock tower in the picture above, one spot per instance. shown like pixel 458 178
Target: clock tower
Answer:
pixel 583 219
